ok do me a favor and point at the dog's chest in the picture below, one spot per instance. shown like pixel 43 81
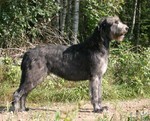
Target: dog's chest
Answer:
pixel 103 65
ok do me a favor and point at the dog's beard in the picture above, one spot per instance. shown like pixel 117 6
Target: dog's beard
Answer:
pixel 120 38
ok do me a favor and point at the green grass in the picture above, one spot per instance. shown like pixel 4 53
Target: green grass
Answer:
pixel 64 93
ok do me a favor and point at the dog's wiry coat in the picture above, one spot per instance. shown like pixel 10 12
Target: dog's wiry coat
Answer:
pixel 84 61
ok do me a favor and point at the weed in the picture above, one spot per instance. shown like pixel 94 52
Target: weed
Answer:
pixel 57 116
pixel 130 70
pixel 104 118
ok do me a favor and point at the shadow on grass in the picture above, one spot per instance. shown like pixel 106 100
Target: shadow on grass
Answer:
pixel 82 110
pixel 2 109
pixel 86 110
pixel 10 109
pixel 42 109
pixel 89 110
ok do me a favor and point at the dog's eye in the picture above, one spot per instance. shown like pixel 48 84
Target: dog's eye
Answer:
pixel 117 22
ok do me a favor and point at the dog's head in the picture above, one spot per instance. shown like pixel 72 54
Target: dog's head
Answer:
pixel 113 27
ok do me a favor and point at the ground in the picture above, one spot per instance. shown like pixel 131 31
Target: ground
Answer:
pixel 131 110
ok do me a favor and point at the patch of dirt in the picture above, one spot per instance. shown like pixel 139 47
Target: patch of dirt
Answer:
pixel 136 109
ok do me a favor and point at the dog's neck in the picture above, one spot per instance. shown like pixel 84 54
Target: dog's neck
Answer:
pixel 100 39
pixel 104 40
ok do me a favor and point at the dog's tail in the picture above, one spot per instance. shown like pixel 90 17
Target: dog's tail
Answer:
pixel 25 64
pixel 26 61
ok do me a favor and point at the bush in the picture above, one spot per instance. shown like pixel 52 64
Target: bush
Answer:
pixel 20 19
pixel 10 71
pixel 9 78
pixel 130 68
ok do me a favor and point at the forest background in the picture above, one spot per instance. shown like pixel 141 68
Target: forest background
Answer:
pixel 26 23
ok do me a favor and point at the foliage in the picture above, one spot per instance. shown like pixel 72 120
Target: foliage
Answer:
pixel 126 15
pixel 132 69
pixel 9 78
pixel 145 26
pixel 20 19
pixel 9 72
pixel 23 20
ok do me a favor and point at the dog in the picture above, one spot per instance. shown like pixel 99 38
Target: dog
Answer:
pixel 84 61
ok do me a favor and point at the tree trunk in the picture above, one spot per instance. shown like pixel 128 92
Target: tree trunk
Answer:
pixel 60 14
pixel 69 16
pixel 57 16
pixel 75 21
pixel 133 21
pixel 64 11
pixel 138 21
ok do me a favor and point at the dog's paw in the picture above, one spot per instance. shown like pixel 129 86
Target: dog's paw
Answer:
pixel 100 110
pixel 24 109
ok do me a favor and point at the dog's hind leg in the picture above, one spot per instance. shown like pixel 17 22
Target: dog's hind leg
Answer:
pixel 24 90
pixel 16 99
pixel 32 77
pixel 22 102
pixel 29 86
pixel 19 94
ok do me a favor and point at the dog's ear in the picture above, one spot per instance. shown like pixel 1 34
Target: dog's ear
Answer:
pixel 112 19
pixel 102 23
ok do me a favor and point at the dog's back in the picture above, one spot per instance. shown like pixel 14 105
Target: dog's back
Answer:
pixel 70 63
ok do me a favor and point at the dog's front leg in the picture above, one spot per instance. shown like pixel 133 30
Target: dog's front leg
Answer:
pixel 95 93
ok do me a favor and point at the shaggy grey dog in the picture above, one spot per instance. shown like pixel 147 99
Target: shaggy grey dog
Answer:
pixel 84 61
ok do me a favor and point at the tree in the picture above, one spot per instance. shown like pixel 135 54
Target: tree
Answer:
pixel 21 20
pixel 64 15
pixel 136 14
pixel 138 21
pixel 75 21
pixel 133 20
